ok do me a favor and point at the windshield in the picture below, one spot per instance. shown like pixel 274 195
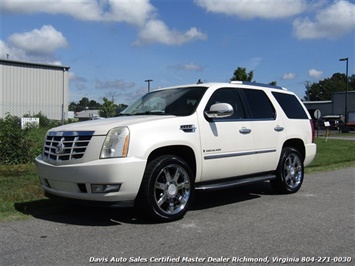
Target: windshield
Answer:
pixel 179 101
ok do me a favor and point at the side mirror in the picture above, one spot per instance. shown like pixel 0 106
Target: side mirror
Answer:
pixel 220 110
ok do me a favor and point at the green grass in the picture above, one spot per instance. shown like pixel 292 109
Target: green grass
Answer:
pixel 21 195
pixel 333 154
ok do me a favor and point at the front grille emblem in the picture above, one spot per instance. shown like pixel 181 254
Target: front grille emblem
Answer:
pixel 60 148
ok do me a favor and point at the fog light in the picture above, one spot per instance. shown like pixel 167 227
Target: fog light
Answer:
pixel 105 188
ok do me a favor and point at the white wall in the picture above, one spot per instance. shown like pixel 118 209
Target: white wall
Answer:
pixel 28 88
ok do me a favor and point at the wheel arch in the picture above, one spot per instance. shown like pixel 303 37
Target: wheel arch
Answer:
pixel 185 152
pixel 297 144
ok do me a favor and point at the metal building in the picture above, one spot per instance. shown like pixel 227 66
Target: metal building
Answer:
pixel 30 88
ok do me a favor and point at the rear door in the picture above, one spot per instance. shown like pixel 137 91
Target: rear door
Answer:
pixel 268 130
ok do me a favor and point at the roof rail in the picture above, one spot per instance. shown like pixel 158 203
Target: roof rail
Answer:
pixel 257 84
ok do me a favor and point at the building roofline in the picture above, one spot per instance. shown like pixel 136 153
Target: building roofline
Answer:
pixel 2 61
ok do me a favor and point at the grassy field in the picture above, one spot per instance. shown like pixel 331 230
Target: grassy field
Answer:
pixel 21 196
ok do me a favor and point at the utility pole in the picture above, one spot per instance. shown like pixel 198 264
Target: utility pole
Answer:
pixel 346 92
pixel 149 81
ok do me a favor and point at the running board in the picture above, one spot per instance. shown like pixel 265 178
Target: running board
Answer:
pixel 234 183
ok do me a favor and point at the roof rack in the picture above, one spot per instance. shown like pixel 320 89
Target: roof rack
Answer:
pixel 257 84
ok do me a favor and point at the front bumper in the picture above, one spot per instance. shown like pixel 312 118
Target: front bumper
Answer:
pixel 74 181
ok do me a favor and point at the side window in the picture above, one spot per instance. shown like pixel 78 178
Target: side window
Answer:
pixel 260 106
pixel 231 96
pixel 291 106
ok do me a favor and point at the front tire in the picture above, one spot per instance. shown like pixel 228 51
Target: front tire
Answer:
pixel 167 188
pixel 290 172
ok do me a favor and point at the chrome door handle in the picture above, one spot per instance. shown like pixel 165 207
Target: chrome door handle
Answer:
pixel 244 130
pixel 279 128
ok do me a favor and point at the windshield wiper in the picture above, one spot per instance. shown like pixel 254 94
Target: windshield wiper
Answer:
pixel 120 114
pixel 151 113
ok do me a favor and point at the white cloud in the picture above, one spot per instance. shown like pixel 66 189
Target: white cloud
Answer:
pixel 248 9
pixel 254 62
pixel 314 73
pixel 78 82
pixel 12 53
pixel 109 10
pixel 331 22
pixel 114 84
pixel 80 9
pixel 140 13
pixel 133 12
pixel 287 76
pixel 38 45
pixel 158 31
pixel 43 41
pixel 188 67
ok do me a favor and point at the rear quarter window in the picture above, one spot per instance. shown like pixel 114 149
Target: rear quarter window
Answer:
pixel 290 105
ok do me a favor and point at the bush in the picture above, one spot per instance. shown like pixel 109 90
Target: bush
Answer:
pixel 18 146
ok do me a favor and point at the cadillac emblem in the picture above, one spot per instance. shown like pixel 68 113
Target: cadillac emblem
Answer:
pixel 60 148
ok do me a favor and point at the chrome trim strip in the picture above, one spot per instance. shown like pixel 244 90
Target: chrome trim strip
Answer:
pixel 70 133
pixel 235 154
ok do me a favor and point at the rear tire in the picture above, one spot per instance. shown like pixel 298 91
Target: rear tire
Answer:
pixel 167 189
pixel 290 172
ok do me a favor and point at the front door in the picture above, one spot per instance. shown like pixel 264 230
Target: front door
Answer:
pixel 226 142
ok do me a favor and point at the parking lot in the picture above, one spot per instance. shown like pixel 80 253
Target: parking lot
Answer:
pixel 250 225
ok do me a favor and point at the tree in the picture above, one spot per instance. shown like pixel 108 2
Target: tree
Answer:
pixel 93 105
pixel 84 102
pixel 108 109
pixel 322 90
pixel 241 74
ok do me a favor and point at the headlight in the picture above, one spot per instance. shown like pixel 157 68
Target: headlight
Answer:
pixel 116 143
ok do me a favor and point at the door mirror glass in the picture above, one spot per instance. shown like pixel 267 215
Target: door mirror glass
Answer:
pixel 220 110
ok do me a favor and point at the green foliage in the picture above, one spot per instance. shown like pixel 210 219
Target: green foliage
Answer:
pixel 108 109
pixel 241 74
pixel 19 146
pixel 13 141
pixel 322 90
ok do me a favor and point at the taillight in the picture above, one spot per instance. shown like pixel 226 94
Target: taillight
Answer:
pixel 312 127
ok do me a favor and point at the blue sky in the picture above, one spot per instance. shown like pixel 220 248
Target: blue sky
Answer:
pixel 113 46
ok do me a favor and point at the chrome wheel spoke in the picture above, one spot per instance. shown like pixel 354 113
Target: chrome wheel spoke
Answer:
pixel 160 186
pixel 162 199
pixel 167 174
pixel 176 176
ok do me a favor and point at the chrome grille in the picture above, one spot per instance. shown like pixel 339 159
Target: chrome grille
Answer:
pixel 66 145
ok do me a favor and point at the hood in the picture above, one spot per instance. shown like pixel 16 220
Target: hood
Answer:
pixel 102 126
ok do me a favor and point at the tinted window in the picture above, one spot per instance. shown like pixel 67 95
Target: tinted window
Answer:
pixel 291 106
pixel 260 106
pixel 227 95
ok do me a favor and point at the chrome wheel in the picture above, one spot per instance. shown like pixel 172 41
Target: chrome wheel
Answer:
pixel 172 189
pixel 290 171
pixel 167 188
pixel 293 171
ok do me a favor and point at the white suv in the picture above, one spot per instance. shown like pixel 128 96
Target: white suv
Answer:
pixel 173 141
